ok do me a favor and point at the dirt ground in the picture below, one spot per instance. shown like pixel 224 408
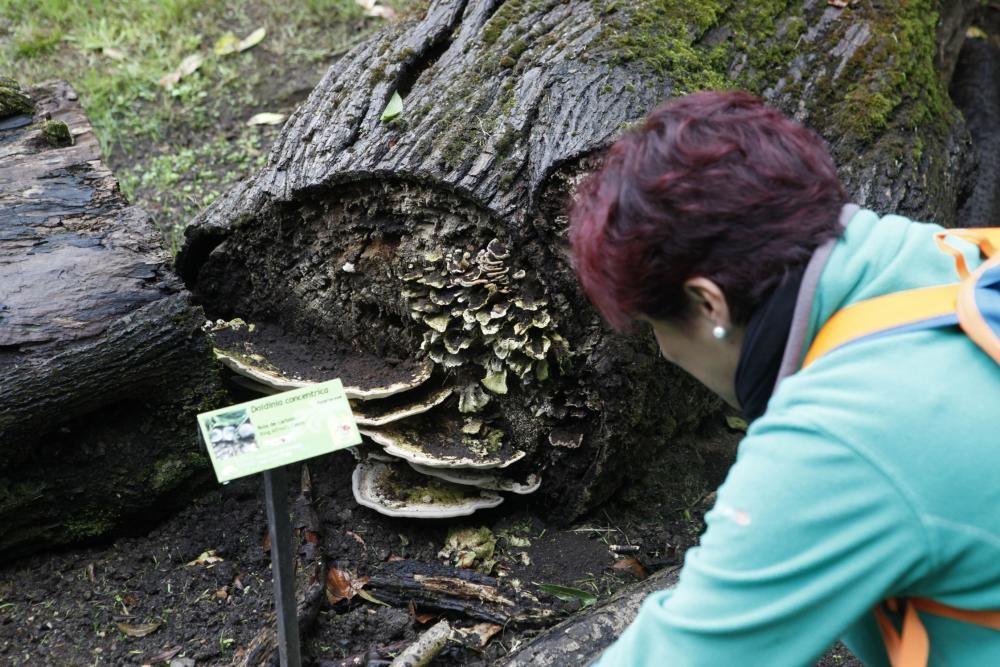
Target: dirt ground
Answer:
pixel 196 589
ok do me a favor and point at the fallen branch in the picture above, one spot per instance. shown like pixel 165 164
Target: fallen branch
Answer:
pixel 426 648
pixel 442 588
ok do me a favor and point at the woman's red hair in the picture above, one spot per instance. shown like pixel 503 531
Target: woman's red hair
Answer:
pixel 714 184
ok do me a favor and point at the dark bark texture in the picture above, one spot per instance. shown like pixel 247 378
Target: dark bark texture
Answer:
pixel 976 90
pixel 580 639
pixel 506 105
pixel 102 361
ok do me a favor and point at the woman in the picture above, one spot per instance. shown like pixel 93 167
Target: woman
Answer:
pixel 872 473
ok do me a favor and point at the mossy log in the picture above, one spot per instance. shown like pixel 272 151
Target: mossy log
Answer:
pixel 102 361
pixel 504 105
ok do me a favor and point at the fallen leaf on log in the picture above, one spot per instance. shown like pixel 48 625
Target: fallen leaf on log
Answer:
pixel 140 630
pixel 394 108
pixel 630 564
pixel 207 558
pixel 568 594
pixel 342 585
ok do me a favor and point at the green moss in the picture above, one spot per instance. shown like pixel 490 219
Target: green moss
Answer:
pixel 89 523
pixel 57 133
pixel 13 101
pixel 174 470
pixel 661 35
pixel 892 81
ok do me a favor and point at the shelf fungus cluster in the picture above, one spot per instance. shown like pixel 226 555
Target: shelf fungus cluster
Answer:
pixel 478 310
pixel 422 456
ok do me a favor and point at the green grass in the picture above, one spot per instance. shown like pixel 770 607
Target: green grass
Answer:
pixel 174 149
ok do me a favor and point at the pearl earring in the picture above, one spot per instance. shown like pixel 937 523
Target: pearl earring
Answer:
pixel 719 332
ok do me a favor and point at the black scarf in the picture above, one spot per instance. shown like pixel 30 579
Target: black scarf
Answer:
pixel 764 346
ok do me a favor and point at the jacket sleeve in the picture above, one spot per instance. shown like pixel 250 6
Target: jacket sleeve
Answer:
pixel 805 537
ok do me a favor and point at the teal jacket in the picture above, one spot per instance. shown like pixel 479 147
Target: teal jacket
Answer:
pixel 874 472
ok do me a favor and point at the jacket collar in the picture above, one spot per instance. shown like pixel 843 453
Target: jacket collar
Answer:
pixel 795 350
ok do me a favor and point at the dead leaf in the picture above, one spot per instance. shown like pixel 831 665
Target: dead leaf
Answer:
pixel 372 8
pixel 736 423
pixel 478 635
pixel 166 654
pixel 424 619
pixel 267 541
pixel 365 595
pixel 267 118
pixel 228 43
pixel 253 39
pixel 630 564
pixel 187 67
pixel 140 630
pixel 342 585
pixel 206 558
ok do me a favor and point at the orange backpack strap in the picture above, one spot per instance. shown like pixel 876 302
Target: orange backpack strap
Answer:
pixel 973 304
pixel 891 313
pixel 910 647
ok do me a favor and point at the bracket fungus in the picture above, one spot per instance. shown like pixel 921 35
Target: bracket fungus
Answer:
pixel 394 489
pixel 487 341
pixel 268 357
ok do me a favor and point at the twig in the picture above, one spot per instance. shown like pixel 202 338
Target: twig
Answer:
pixel 425 649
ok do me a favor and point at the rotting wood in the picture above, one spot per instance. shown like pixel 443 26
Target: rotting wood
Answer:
pixel 102 363
pixel 442 588
pixel 505 105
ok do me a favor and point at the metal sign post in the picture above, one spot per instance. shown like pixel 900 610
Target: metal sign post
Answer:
pixel 280 530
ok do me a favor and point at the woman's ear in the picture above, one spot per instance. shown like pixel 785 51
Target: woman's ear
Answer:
pixel 708 300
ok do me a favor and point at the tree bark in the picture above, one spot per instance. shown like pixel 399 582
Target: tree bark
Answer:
pixel 505 105
pixel 102 361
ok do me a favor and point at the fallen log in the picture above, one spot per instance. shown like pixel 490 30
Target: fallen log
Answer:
pixel 436 228
pixel 102 362
pixel 580 639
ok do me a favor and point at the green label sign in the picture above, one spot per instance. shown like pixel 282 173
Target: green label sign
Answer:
pixel 259 435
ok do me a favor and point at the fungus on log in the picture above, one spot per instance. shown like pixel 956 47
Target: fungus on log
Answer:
pixel 437 232
pixel 102 364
